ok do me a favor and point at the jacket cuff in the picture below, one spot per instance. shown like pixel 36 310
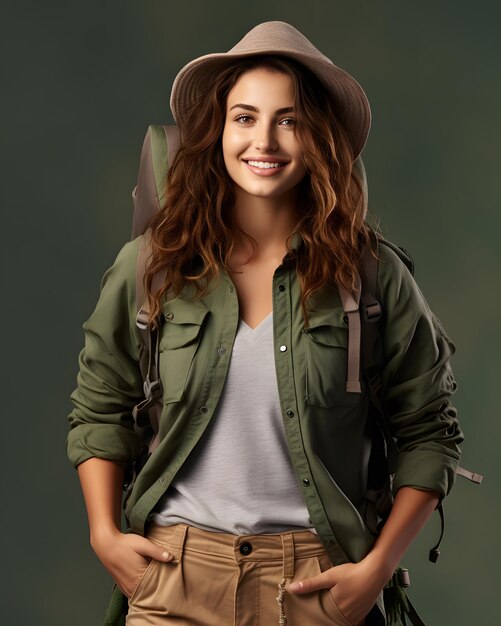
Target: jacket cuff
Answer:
pixel 425 470
pixel 105 441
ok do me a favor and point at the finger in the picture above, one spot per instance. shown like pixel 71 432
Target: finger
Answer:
pixel 321 581
pixel 149 549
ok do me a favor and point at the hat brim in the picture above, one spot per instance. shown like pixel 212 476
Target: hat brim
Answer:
pixel 350 102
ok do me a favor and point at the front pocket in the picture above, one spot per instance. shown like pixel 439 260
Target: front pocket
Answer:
pixel 340 618
pixel 181 334
pixel 326 353
pixel 142 579
pixel 324 564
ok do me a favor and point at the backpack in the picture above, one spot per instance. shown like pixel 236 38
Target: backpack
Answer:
pixel 363 315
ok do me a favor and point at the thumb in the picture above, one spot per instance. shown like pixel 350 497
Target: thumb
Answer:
pixel 153 550
pixel 321 581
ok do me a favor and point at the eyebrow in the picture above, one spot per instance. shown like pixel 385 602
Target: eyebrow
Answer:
pixel 249 107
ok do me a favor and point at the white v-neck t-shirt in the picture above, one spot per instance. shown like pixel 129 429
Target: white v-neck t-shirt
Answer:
pixel 239 478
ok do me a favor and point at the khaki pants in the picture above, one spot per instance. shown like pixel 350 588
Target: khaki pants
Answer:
pixel 220 579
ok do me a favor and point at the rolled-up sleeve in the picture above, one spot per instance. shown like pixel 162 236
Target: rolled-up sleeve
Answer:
pixel 109 381
pixel 418 384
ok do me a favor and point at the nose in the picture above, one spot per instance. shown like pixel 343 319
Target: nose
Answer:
pixel 265 139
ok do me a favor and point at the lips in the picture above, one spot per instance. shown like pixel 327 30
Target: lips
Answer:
pixel 271 168
pixel 265 164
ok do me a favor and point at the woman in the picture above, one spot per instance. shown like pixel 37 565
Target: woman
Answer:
pixel 250 510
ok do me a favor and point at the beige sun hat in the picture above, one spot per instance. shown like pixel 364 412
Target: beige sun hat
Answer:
pixel 280 38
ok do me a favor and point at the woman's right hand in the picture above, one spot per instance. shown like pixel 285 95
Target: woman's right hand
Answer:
pixel 126 556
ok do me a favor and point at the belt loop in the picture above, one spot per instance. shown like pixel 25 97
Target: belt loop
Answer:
pixel 178 541
pixel 288 555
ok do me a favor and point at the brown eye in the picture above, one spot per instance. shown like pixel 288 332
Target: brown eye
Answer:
pixel 241 117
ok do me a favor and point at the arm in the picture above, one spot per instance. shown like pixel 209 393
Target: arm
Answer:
pixel 101 483
pixel 411 510
pixel 102 440
pixel 123 555
pixel 109 381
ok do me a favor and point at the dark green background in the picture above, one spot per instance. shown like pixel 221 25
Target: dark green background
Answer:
pixel 81 82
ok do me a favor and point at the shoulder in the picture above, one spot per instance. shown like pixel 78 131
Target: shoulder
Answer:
pixel 395 281
pixel 405 309
pixel 124 265
pixel 121 274
pixel 118 285
pixel 391 267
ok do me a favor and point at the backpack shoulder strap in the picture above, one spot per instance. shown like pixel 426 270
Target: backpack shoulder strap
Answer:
pixel 158 152
pixel 372 342
pixel 351 308
pixel 351 303
pixel 150 407
pixel 372 312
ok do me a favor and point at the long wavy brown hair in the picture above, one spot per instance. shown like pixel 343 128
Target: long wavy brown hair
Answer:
pixel 194 234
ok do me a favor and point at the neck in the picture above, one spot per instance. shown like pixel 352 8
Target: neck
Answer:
pixel 269 220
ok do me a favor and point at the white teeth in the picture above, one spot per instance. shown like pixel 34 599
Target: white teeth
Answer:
pixel 265 165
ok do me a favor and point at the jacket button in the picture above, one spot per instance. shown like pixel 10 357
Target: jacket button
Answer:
pixel 281 287
pixel 203 409
pixel 221 350
pixel 283 348
pixel 169 316
pixel 290 413
pixel 306 481
pixel 163 480
pixel 231 288
pixel 245 548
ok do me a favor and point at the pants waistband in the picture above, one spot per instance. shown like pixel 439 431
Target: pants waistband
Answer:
pixel 286 546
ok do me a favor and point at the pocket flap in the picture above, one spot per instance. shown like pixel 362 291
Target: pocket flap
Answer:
pixel 183 321
pixel 179 311
pixel 328 335
pixel 328 327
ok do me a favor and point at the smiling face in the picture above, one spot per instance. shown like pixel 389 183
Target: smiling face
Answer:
pixel 260 148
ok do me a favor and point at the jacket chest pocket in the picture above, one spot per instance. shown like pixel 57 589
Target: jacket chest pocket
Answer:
pixel 181 336
pixel 326 354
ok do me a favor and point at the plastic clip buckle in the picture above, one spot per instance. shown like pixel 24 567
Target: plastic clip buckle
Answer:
pixel 373 312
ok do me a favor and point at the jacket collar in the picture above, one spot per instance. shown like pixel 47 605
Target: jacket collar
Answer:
pixel 296 242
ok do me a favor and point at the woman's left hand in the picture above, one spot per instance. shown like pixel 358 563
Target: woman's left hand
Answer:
pixel 354 587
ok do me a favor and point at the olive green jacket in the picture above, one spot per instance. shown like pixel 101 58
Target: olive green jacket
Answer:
pixel 324 424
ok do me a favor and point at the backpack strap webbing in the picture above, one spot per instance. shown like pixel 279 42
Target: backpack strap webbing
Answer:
pixel 396 601
pixel 147 412
pixel 413 614
pixel 473 476
pixel 372 344
pixel 351 308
